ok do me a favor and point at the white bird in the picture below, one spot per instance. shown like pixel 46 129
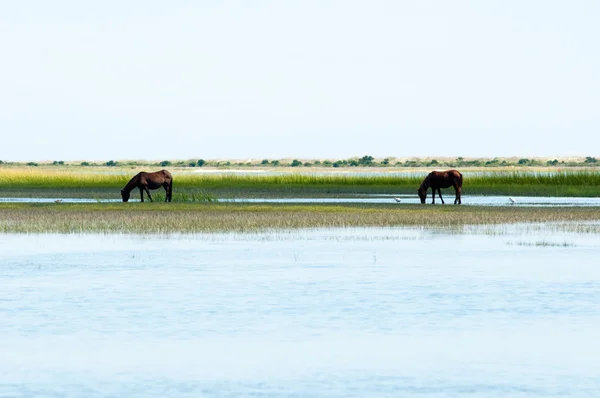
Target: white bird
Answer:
pixel 396 199
pixel 512 201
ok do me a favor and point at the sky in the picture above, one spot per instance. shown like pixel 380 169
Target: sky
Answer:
pixel 157 80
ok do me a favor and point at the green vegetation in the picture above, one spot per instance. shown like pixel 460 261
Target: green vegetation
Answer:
pixel 186 196
pixel 195 207
pixel 89 182
pixel 245 217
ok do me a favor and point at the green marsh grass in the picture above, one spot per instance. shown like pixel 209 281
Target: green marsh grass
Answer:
pixel 195 196
pixel 245 217
pixel 45 182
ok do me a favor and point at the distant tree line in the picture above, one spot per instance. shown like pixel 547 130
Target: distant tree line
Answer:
pixel 364 161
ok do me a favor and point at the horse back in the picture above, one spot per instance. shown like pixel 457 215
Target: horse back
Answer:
pixel 155 179
pixel 156 175
pixel 445 179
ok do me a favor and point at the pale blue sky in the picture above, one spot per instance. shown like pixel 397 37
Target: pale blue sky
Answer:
pixel 308 79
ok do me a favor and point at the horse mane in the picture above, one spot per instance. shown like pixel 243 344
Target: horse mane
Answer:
pixel 425 184
pixel 132 183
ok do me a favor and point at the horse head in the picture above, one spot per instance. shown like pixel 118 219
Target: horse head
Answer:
pixel 124 195
pixel 422 194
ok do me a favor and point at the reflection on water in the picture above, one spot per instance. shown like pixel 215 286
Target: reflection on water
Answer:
pixel 338 313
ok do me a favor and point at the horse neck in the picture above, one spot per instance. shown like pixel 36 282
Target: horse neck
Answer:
pixel 425 184
pixel 131 184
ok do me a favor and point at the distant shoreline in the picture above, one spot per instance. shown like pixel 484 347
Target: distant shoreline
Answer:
pixel 366 162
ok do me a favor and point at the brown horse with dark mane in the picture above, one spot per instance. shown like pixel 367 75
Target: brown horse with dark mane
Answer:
pixel 147 181
pixel 441 179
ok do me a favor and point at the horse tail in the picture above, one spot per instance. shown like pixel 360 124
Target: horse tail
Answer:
pixel 460 179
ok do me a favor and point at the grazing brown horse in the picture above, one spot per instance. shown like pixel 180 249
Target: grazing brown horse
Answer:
pixel 441 179
pixel 147 181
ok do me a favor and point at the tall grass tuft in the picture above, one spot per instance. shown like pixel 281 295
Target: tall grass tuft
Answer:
pixel 196 196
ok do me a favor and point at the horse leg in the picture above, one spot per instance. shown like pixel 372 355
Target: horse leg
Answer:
pixel 440 193
pixel 148 193
pixel 167 188
pixel 142 194
pixel 432 196
pixel 457 190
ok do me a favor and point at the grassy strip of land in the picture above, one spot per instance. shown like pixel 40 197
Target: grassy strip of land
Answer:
pixel 65 183
pixel 244 217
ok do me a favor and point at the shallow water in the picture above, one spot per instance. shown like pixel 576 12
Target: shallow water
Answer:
pixel 403 199
pixel 448 199
pixel 505 311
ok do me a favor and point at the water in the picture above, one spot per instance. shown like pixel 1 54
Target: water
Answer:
pixel 531 201
pixel 471 312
